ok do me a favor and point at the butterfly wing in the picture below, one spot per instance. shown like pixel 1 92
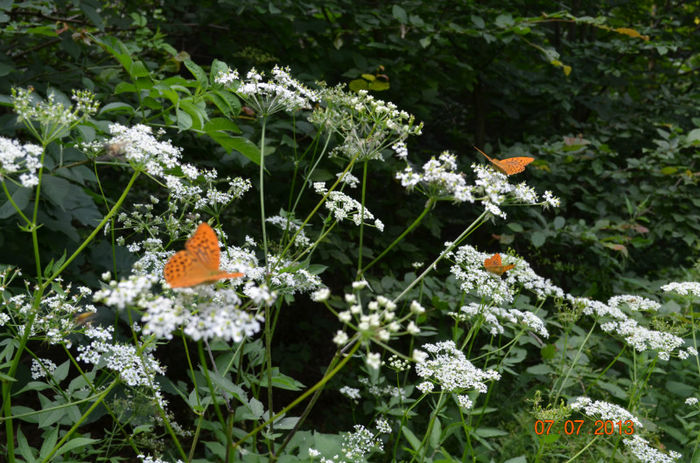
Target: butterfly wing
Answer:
pixel 204 247
pixel 494 265
pixel 512 166
pixel 198 263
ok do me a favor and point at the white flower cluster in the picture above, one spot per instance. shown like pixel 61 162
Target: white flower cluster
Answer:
pixel 683 288
pixel 291 227
pixel 378 323
pixel 366 125
pixel 451 370
pixel 42 368
pixel 23 159
pixel 203 312
pixel 383 426
pixel 280 93
pixel 634 303
pixel 343 206
pixel 359 444
pixel 150 459
pixel 603 410
pixel 641 449
pixel 348 179
pixel 351 393
pixel 144 152
pixel 438 179
pixel 473 277
pixel 642 339
pixel 492 315
pixel 133 367
pixel 385 391
pixel 495 191
pixel 400 150
pixel 58 309
pixel 52 114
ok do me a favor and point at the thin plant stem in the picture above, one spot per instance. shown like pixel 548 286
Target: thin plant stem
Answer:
pixel 573 364
pixel 302 397
pixel 474 225
pixel 428 207
pixel 262 190
pixel 362 219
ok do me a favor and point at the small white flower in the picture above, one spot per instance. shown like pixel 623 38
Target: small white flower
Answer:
pixel 374 360
pixel 340 338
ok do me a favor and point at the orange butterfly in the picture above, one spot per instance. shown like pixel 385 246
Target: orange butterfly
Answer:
pixel 494 265
pixel 198 263
pixel 509 166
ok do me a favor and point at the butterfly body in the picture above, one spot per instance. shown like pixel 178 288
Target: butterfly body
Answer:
pixel 509 166
pixel 198 262
pixel 494 265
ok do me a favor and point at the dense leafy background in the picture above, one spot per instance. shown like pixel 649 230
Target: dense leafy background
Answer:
pixel 609 113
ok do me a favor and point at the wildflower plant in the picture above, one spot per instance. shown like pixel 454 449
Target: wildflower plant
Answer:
pixel 431 364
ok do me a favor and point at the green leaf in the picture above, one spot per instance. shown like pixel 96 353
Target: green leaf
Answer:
pixel 221 124
pixel 490 432
pixel 117 107
pixel 435 434
pixel 184 120
pixel 538 238
pixel 540 369
pixel 78 442
pixel 411 438
pixel 21 198
pixel 559 222
pixel 256 408
pixel 516 227
pixel 197 72
pixel 23 447
pixel 504 20
pixel 400 14
pixel 478 22
pixel 49 439
pixel 693 135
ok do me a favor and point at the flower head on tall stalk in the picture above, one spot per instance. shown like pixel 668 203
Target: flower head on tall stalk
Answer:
pixel 365 125
pixel 279 93
pixel 54 118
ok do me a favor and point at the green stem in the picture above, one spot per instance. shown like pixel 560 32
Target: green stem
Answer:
pixel 429 431
pixel 35 238
pixel 80 421
pixel 573 364
pixel 428 207
pixel 97 229
pixel 268 355
pixel 362 219
pixel 262 190
pixel 301 398
pixel 474 225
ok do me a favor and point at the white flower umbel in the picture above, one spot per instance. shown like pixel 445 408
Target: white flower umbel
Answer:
pixel 143 151
pixel 343 207
pixel 366 125
pixel 280 93
pixel 203 312
pixel 291 227
pixel 351 393
pixel 134 368
pixel 603 410
pixel 42 368
pixel 356 446
pixel 16 158
pixel 450 369
pixel 634 303
pixel 494 315
pixel 641 449
pixel 54 117
pixel 683 288
pixel 438 180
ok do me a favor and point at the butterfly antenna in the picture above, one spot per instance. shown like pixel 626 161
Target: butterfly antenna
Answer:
pixel 487 156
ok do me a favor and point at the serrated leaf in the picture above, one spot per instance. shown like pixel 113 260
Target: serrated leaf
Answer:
pixel 196 71
pixel 411 438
